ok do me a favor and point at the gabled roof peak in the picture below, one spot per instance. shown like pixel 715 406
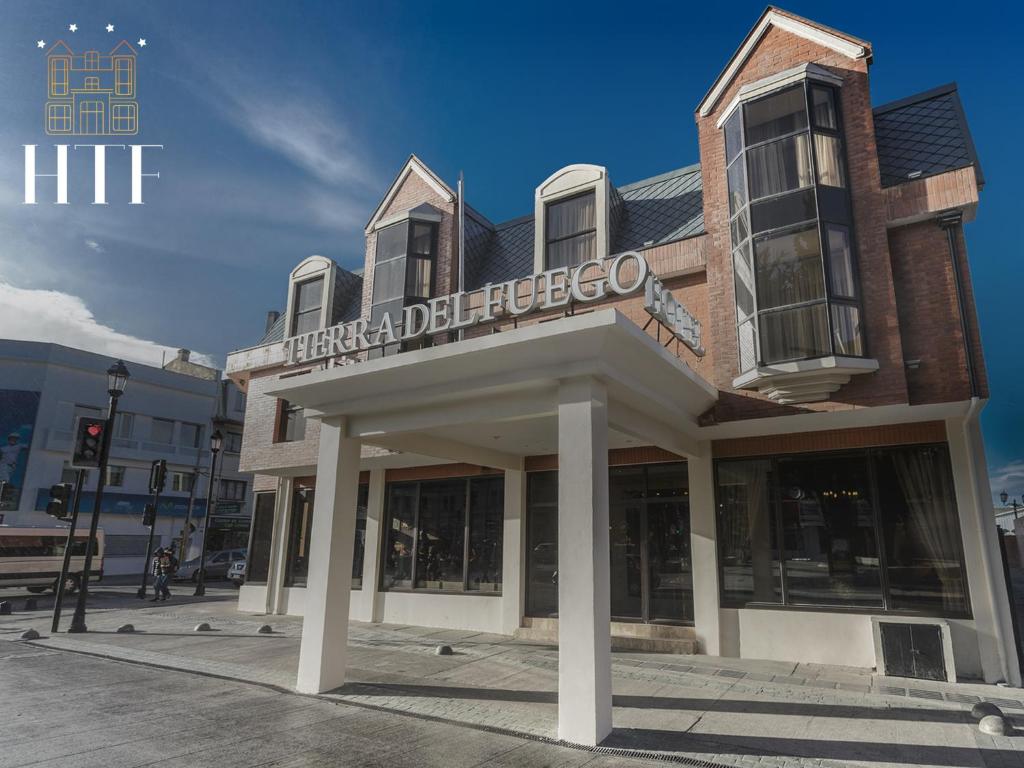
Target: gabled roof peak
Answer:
pixel 417 166
pixel 847 45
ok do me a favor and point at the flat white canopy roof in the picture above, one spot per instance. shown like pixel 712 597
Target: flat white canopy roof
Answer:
pixel 494 398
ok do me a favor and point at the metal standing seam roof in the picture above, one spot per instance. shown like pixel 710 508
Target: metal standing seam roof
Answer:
pixel 923 135
pixel 918 136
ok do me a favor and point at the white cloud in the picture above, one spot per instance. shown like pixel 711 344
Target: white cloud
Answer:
pixel 296 122
pixel 94 246
pixel 52 316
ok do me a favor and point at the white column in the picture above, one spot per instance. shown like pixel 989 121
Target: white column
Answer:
pixel 279 545
pixel 584 597
pixel 990 603
pixel 513 577
pixel 365 606
pixel 329 583
pixel 704 550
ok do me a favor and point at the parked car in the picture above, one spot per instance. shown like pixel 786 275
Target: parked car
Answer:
pixel 217 564
pixel 236 573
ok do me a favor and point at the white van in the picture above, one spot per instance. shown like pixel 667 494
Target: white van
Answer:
pixel 32 558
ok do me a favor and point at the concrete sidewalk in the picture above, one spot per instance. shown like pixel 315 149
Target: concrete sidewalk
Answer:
pixel 701 708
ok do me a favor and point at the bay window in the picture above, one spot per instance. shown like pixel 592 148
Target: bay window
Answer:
pixel 796 286
pixel 403 273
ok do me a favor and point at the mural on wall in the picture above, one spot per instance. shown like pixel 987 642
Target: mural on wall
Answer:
pixel 18 409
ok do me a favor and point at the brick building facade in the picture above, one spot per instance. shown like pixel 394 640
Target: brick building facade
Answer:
pixel 812 467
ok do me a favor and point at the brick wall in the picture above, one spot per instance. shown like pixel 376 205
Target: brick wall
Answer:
pixel 779 50
pixel 259 451
pixel 831 440
pixel 929 315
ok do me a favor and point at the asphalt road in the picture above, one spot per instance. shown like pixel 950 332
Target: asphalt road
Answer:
pixel 73 711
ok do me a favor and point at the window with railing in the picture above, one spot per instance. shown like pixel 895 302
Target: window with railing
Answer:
pixel 797 293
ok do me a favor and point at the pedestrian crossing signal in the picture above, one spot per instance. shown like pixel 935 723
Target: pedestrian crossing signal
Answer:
pixel 88 442
pixel 149 515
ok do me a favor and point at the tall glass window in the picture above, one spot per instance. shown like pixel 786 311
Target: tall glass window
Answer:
pixel 875 530
pixel 795 279
pixel 257 564
pixel 300 535
pixel 359 551
pixel 444 535
pixel 403 273
pixel 651 576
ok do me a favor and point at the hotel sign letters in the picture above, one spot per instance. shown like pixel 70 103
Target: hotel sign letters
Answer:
pixel 621 275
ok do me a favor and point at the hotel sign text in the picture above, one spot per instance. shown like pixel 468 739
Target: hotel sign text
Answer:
pixel 591 281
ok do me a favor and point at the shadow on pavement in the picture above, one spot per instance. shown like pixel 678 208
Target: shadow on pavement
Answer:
pixel 824 749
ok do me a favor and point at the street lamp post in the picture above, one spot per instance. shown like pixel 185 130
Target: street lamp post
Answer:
pixel 216 440
pixel 117 380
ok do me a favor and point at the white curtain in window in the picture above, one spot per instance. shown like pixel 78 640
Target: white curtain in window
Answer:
pixel 927 493
pixel 830 163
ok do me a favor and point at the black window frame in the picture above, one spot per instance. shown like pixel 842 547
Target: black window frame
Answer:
pixel 870 458
pixel 293 321
pixel 746 244
pixel 467 527
pixel 548 240
pixel 410 259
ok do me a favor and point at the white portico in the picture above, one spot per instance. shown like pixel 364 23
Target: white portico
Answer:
pixel 575 387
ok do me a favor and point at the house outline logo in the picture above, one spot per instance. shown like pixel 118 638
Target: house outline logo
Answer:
pixel 91 94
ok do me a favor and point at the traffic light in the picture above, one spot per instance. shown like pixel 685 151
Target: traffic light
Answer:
pixel 6 492
pixel 158 476
pixel 60 501
pixel 88 442
pixel 149 515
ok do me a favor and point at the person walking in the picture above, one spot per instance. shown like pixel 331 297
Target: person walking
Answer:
pixel 164 566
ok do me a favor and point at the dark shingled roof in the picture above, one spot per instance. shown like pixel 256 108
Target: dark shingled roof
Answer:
pixel 923 135
pixel 653 211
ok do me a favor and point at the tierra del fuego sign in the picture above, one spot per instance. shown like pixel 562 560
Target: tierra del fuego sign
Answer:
pixel 590 281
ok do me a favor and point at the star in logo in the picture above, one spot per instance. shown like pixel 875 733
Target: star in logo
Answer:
pixel 40 43
pixel 110 27
pixel 72 28
pixel 142 42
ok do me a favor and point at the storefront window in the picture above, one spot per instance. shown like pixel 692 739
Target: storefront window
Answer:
pixel 828 510
pixel 651 576
pixel 359 550
pixel 442 535
pixel 427 544
pixel 921 532
pixel 542 544
pixel 487 497
pixel 828 532
pixel 257 564
pixel 299 534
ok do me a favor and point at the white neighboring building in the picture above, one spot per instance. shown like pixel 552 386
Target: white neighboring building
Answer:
pixel 163 414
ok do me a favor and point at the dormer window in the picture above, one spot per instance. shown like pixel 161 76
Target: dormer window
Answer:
pixel 403 271
pixel 308 306
pixel 797 295
pixel 571 231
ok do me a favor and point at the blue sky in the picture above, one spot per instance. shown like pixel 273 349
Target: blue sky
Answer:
pixel 283 124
